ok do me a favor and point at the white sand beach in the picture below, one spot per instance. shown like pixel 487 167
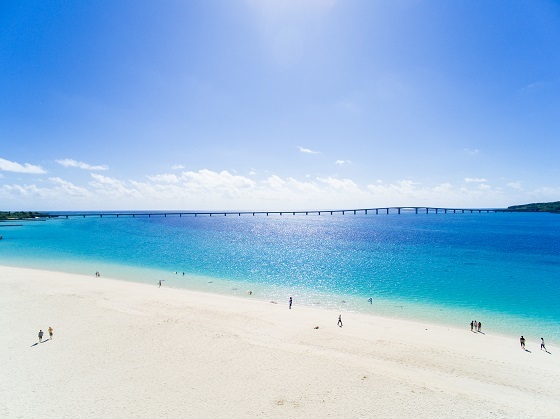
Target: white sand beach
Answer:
pixel 123 349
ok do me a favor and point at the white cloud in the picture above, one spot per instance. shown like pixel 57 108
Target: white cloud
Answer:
pixel 443 188
pixel 165 178
pixel 112 187
pixel 67 188
pixel 341 185
pixel 23 190
pixel 252 172
pixel 404 188
pixel 409 192
pixel 81 165
pixel 207 179
pixel 308 151
pixel 225 190
pixel 275 182
pixel 10 166
pixel 177 167
pixel 341 162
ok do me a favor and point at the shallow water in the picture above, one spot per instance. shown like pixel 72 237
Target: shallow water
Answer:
pixel 502 269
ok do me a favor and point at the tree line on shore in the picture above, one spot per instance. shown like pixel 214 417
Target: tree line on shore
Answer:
pixel 553 207
pixel 20 215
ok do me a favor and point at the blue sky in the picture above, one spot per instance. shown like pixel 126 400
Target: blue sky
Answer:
pixel 294 104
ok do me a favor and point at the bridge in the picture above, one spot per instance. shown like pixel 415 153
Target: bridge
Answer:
pixel 381 210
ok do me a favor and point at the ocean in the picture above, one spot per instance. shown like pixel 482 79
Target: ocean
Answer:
pixel 502 269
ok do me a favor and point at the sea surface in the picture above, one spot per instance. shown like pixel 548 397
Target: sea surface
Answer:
pixel 502 269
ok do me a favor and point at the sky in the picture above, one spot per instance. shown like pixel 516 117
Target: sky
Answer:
pixel 278 105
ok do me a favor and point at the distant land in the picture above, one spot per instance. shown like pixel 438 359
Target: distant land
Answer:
pixel 20 215
pixel 553 207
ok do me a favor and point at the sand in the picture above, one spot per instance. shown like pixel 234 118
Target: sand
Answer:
pixel 124 349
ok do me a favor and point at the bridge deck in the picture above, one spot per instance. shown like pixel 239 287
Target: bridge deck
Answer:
pixel 380 210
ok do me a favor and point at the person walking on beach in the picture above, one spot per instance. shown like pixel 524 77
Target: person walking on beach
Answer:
pixel 542 345
pixel 472 325
pixel 290 303
pixel 339 320
pixel 479 326
pixel 50 332
pixel 522 342
pixel 40 336
pixel 159 284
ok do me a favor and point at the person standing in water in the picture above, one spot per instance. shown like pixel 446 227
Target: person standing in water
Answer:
pixel 339 320
pixel 290 303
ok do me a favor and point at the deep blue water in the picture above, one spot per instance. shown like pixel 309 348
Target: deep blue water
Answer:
pixel 503 269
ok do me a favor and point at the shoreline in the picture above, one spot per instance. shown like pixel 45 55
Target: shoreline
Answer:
pixel 506 325
pixel 176 352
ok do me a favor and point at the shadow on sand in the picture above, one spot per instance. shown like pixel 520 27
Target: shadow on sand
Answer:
pixel 36 343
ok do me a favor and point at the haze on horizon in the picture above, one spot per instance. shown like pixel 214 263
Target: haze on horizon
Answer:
pixel 278 105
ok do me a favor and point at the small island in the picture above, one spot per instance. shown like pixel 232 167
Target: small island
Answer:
pixel 553 207
pixel 21 215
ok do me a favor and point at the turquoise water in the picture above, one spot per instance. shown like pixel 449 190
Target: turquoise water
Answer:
pixel 502 269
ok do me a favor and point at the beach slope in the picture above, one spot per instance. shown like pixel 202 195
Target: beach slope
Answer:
pixel 123 349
